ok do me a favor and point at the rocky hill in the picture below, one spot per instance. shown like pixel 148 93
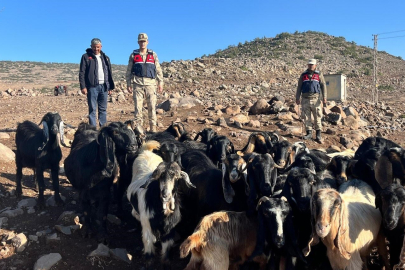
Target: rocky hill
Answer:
pixel 256 68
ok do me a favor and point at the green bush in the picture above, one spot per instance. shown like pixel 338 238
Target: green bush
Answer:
pixel 386 87
pixel 318 56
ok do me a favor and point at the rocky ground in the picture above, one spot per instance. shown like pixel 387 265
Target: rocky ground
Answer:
pixel 244 88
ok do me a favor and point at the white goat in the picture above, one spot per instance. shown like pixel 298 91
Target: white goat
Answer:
pixel 142 169
pixel 348 224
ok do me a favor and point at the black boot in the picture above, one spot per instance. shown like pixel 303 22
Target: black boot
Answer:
pixel 309 135
pixel 318 136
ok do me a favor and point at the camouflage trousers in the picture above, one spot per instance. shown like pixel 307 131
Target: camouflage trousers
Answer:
pixel 141 92
pixel 312 105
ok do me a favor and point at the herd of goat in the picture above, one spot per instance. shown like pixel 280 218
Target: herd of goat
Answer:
pixel 271 205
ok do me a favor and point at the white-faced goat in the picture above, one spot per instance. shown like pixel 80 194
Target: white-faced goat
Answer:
pixel 92 167
pixel 391 202
pixel 348 224
pixel 154 197
pixel 39 149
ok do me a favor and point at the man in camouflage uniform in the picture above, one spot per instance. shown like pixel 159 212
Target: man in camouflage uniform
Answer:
pixel 143 75
pixel 312 88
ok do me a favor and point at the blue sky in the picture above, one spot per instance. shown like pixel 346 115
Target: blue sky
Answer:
pixel 60 31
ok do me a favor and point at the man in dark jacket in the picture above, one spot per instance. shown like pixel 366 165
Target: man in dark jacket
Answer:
pixel 96 81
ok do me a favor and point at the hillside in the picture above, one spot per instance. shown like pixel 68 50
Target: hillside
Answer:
pixel 270 64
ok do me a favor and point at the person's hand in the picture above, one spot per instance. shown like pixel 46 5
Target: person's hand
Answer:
pixel 109 92
pixel 129 88
pixel 324 102
pixel 84 91
pixel 160 88
pixel 298 102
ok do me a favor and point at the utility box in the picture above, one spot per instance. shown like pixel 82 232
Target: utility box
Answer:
pixel 336 86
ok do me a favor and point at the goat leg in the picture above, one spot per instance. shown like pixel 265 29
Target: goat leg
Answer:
pixel 86 208
pixel 41 187
pixel 18 189
pixel 101 217
pixel 55 183
pixel 401 264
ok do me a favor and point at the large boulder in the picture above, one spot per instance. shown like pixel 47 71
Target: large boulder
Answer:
pixel 47 261
pixel 241 118
pixel 232 110
pixel 6 154
pixel 351 122
pixel 334 118
pixel 351 111
pixel 168 104
pixel 260 107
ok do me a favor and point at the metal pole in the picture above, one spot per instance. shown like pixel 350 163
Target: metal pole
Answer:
pixel 375 88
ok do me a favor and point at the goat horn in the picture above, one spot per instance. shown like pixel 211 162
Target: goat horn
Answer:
pixel 278 166
pixel 45 130
pixel 262 199
pixel 62 133
pixel 186 179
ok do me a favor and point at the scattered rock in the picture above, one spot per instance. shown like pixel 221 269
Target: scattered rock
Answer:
pixel 6 154
pixel 221 122
pixel 260 107
pixel 113 219
pixel 19 242
pixel 67 218
pixel 168 104
pixel 334 118
pixel 285 116
pixel 330 132
pixel 12 213
pixel 33 238
pixel 232 110
pixel 47 261
pixel 351 122
pixel 160 111
pixel 101 251
pixel 3 222
pixel 121 254
pixel 51 200
pixel 241 118
pixel 351 111
pixel 63 229
pixel 346 142
pixel 30 202
pixel 339 110
pixel 4 135
pixel 254 123
pixel 52 238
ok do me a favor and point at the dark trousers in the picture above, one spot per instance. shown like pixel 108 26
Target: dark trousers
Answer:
pixel 97 98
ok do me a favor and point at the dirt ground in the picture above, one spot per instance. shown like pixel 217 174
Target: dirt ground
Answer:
pixel 73 248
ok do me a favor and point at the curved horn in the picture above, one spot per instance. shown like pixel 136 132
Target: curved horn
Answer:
pixel 186 179
pixel 62 133
pixel 276 135
pixel 146 184
pixel 45 131
pixel 262 199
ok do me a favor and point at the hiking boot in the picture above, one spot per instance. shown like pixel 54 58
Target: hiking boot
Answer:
pixel 308 136
pixel 318 136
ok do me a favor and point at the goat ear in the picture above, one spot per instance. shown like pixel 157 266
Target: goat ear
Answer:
pixel 314 237
pixel 342 239
pixel 229 193
pixel 158 171
pixel 383 170
pixel 106 152
pixel 332 165
pixel 232 147
pixel 209 143
pixel 378 201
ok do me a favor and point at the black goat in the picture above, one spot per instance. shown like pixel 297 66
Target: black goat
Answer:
pixel 262 178
pixel 158 204
pixel 218 148
pixel 206 135
pixel 339 167
pixel 276 231
pixel 374 142
pixel 391 202
pixel 176 129
pixel 39 149
pixel 320 158
pixel 259 142
pixel 390 167
pixel 91 168
pixel 281 153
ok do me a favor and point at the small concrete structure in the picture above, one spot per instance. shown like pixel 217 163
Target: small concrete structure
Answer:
pixel 336 85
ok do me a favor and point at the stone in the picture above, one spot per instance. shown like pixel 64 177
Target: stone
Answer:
pixel 351 111
pixel 260 107
pixel 52 238
pixel 121 254
pixel 101 251
pixel 346 142
pixel 362 123
pixel 51 200
pixel 113 219
pixel 277 107
pixel 221 122
pixel 277 98
pixel 121 98
pixel 188 102
pixel 333 149
pixel 195 93
pixel 63 229
pixel 33 238
pixel 4 135
pixel 30 210
pixel 284 116
pixel 339 110
pixel 47 261
pixel 168 104
pixel 67 218
pixel 30 202
pixel 12 213
pixel 334 118
pixel 6 154
pixel 241 118
pixel 222 87
pixel 232 110
pixel 175 95
pixel 19 242
pixel 293 130
pixel 351 122
pixel 254 123
pixel 330 131
pixel 3 222
pixel 160 111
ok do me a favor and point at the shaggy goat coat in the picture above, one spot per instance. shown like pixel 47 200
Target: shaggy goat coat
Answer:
pixel 354 224
pixel 219 238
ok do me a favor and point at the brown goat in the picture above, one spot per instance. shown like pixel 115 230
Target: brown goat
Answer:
pixel 222 241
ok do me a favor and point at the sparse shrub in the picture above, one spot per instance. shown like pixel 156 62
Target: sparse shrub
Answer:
pixel 386 87
pixel 318 56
